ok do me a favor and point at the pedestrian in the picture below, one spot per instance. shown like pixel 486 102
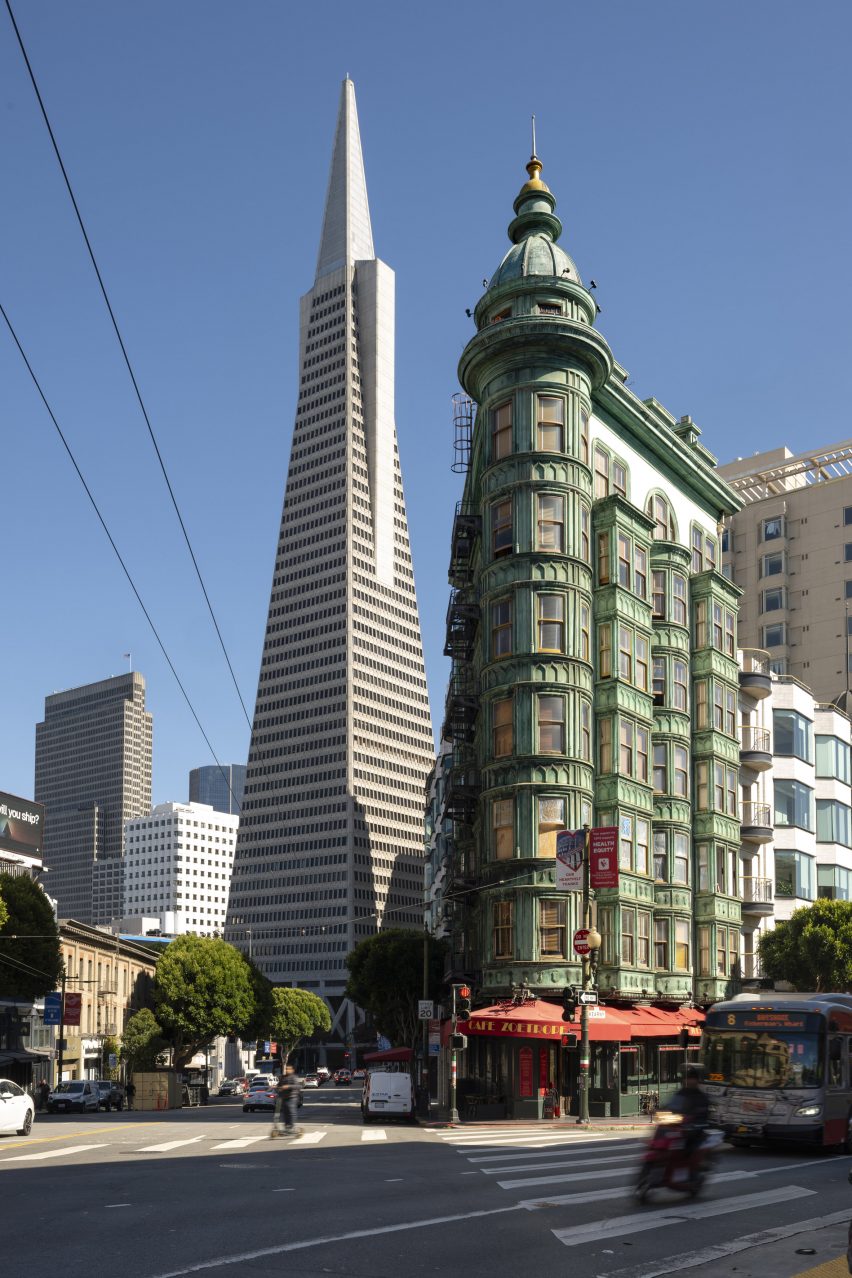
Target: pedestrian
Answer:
pixel 43 1093
pixel 286 1104
pixel 130 1092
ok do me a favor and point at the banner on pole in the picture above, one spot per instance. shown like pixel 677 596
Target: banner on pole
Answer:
pixel 603 857
pixel 570 845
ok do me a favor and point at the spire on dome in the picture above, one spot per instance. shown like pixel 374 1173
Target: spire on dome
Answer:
pixel 346 232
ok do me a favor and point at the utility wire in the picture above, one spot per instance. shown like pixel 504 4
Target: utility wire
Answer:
pixel 124 567
pixel 127 361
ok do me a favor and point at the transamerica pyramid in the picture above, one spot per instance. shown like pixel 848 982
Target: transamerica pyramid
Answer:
pixel 330 843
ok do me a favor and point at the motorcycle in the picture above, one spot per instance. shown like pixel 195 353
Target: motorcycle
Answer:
pixel 677 1157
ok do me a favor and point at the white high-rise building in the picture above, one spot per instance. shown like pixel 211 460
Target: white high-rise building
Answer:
pixel 177 867
pixel 330 846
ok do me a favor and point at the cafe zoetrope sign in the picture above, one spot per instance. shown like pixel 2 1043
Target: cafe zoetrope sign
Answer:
pixel 518 1028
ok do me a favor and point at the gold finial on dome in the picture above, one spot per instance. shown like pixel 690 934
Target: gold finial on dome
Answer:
pixel 534 169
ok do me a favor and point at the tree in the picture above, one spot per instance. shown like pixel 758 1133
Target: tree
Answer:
pixel 297 1015
pixel 31 964
pixel 257 1026
pixel 203 987
pixel 4 913
pixel 110 1048
pixel 812 950
pixel 142 1041
pixel 386 979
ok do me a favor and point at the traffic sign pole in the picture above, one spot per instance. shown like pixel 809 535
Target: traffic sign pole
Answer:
pixel 584 1009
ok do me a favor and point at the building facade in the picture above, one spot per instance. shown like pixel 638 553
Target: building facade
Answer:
pixel 177 867
pixel 789 548
pixel 330 845
pixel 221 786
pixel 595 682
pixel 92 773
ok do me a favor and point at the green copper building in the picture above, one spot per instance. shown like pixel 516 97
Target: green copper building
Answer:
pixel 594 682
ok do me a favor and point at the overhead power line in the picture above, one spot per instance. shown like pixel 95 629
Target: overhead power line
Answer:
pixel 103 524
pixel 126 359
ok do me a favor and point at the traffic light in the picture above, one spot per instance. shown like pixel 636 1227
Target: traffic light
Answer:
pixel 569 1040
pixel 463 1007
pixel 569 1004
pixel 458 1041
pixel 684 1038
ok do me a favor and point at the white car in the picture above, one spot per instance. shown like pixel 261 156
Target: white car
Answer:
pixel 16 1109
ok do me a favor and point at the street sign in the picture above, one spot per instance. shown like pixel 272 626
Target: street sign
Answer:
pixel 113 1060
pixel 425 1009
pixel 53 1009
pixel 603 856
pixel 570 846
pixel 581 941
pixel 587 996
pixel 73 1008
pixel 597 1013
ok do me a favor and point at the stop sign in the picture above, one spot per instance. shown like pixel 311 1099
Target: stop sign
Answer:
pixel 581 941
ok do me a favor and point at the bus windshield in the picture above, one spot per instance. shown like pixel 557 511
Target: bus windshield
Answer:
pixel 745 1058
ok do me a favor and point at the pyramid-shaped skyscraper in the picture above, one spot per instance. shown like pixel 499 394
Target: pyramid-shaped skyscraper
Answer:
pixel 330 844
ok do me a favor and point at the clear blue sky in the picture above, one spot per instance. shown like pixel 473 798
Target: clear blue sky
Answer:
pixel 700 157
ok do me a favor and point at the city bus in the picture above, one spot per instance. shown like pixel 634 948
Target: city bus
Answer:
pixel 779 1067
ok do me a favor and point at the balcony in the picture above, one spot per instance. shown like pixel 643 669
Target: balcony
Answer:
pixel 756 748
pixel 462 624
pixel 755 678
pixel 758 896
pixel 756 823
pixel 466 529
pixel 462 706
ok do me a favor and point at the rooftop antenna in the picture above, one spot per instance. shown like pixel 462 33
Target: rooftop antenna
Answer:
pixel 533 135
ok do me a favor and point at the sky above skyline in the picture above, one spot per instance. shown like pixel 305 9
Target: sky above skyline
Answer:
pixel 700 160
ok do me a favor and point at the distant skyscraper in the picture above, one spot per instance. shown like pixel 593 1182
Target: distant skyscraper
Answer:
pixel 221 787
pixel 92 773
pixel 330 844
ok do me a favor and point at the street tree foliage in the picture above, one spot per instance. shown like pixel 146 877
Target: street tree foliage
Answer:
pixel 257 1026
pixel 31 966
pixel 142 1042
pixel 110 1048
pixel 386 980
pixel 296 1015
pixel 203 987
pixel 812 950
pixel 4 913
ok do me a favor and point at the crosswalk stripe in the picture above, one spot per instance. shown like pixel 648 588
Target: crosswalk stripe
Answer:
pixel 309 1138
pixel 571 1162
pixel 239 1142
pixel 560 1152
pixel 52 1153
pixel 566 1177
pixel 167 1145
pixel 565 1200
pixel 594 1231
pixel 374 1134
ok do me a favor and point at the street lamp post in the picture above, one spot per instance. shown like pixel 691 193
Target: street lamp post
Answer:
pixel 589 964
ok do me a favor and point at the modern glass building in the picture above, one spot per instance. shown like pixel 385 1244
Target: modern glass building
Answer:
pixel 219 785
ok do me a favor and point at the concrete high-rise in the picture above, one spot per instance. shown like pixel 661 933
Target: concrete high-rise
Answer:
pixel 790 551
pixel 330 844
pixel 219 785
pixel 92 773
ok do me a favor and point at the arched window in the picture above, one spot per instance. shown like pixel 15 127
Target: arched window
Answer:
pixel 660 511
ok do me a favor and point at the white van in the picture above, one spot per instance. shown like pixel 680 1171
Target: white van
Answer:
pixel 387 1094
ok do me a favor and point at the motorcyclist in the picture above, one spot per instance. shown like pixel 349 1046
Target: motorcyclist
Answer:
pixel 692 1104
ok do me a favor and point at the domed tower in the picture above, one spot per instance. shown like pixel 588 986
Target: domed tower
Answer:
pixel 594 680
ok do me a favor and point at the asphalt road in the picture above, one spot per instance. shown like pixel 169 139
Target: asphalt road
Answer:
pixel 206 1191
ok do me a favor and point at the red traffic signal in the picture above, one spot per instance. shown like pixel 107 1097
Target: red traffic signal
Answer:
pixel 464 991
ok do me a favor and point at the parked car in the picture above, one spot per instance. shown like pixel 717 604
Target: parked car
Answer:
pixel 80 1094
pixel 110 1094
pixel 343 1078
pixel 262 1098
pixel 17 1109
pixel 232 1087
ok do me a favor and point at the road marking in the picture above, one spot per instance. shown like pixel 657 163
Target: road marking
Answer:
pixel 52 1153
pixel 310 1138
pixel 289 1190
pixel 240 1142
pixel 374 1134
pixel 556 1153
pixel 718 1251
pixel 108 1205
pixel 638 1222
pixel 242 1257
pixel 564 1179
pixel 571 1162
pixel 167 1145
pixel 395 1180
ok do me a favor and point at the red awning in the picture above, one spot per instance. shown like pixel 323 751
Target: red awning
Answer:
pixel 538 1019
pixel 392 1054
pixel 658 1022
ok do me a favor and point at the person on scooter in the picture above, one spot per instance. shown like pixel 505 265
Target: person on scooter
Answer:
pixel 692 1104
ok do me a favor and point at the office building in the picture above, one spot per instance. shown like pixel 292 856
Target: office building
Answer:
pixel 789 549
pixel 92 773
pixel 219 785
pixel 177 867
pixel 330 845
pixel 595 683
